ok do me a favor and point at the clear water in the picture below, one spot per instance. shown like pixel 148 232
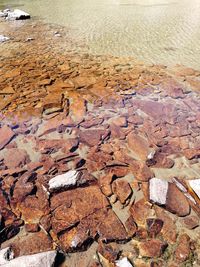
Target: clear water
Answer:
pixel 154 31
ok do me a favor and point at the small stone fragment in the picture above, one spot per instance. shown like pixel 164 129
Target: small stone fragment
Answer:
pixel 183 249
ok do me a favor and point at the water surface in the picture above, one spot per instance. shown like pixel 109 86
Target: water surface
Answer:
pixel 154 31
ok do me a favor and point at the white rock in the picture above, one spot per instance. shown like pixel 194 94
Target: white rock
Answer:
pixel 158 191
pixel 124 262
pixel 195 185
pixel 6 254
pixel 3 38
pixel 44 259
pixel 17 14
pixel 68 179
pixel 2 14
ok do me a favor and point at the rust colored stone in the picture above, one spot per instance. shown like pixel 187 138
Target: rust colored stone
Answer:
pixel 131 226
pixel 191 222
pixel 122 190
pixel 109 251
pixel 140 211
pixel 138 145
pixel 154 226
pixel 152 249
pixel 169 230
pixel 15 158
pixel 31 227
pixel 183 249
pixel 176 201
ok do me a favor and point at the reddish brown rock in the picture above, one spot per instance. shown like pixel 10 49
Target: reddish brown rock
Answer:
pixel 45 222
pixel 74 205
pixel 88 123
pixel 31 244
pixel 169 230
pixel 53 124
pixel 105 184
pixel 191 222
pixel 93 137
pixel 32 209
pixel 140 211
pixel 24 186
pixel 142 172
pixel 138 145
pixel 141 233
pixel 53 145
pixel 183 249
pixel 6 135
pixel 120 121
pixel 122 190
pixel 103 222
pixel 131 226
pixel 191 153
pixel 16 158
pixel 154 226
pixel 109 251
pixel 31 227
pixel 152 249
pixel 176 201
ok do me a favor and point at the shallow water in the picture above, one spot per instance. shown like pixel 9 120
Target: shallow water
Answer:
pixel 154 31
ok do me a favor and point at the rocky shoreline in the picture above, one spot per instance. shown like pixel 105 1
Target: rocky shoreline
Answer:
pixel 99 156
